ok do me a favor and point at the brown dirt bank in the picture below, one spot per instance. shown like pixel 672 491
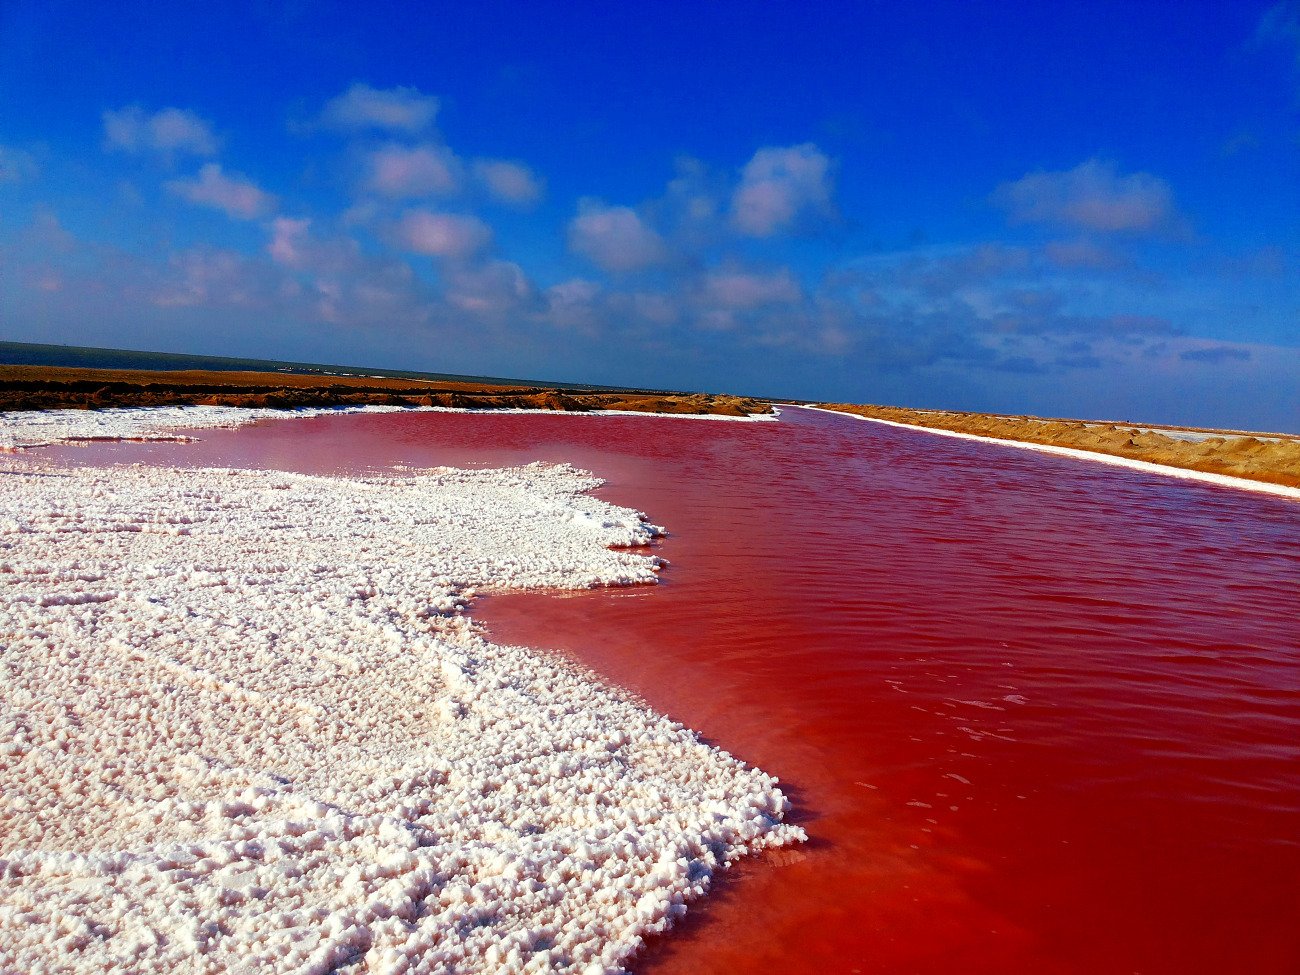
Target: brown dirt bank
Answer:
pixel 1275 460
pixel 54 387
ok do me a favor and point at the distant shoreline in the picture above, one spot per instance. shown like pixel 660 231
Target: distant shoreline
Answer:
pixel 1269 458
pixel 35 387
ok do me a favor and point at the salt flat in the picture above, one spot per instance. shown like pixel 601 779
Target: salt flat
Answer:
pixel 246 726
pixel 26 429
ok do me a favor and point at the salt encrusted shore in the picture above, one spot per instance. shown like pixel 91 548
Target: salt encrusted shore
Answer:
pixel 23 430
pixel 1149 467
pixel 245 726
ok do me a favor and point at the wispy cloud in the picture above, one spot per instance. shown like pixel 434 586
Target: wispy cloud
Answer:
pixel 1092 196
pixel 739 289
pixel 1075 254
pixel 1215 353
pixel 166 132
pixel 1280 23
pixel 615 237
pixel 235 195
pixel 490 291
pixel 397 110
pixel 293 245
pixel 203 277
pixel 16 165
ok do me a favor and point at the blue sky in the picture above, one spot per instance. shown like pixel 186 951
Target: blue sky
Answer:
pixel 1066 209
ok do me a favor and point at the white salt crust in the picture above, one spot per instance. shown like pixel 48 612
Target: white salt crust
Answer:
pixel 1223 480
pixel 24 429
pixel 245 727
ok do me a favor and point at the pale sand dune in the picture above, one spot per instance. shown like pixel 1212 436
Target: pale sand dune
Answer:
pixel 245 728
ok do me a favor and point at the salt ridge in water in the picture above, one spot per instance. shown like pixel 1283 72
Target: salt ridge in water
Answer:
pixel 246 728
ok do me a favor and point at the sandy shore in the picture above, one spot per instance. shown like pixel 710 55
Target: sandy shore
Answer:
pixel 247 726
pixel 53 387
pixel 1271 458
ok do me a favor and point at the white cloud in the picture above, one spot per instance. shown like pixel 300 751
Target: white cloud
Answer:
pixel 401 171
pixel 442 234
pixel 362 107
pixel 509 182
pixel 615 238
pixel 1091 196
pixel 237 196
pixel 777 186
pixel 171 130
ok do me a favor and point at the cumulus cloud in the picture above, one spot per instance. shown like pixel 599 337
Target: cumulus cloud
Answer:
pixel 361 108
pixel 490 290
pixel 442 234
pixel 1092 196
pixel 402 171
pixel 509 182
pixel 235 195
pixel 779 185
pixel 615 237
pixel 169 131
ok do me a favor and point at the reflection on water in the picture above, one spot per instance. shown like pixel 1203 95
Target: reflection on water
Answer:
pixel 1038 715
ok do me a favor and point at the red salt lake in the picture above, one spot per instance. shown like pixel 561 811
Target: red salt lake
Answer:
pixel 1038 715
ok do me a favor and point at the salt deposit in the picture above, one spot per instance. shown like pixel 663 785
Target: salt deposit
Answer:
pixel 24 429
pixel 245 726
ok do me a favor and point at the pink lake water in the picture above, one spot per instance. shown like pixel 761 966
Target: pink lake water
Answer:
pixel 1038 715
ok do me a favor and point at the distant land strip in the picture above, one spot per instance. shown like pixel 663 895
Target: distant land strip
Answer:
pixel 1273 458
pixel 35 387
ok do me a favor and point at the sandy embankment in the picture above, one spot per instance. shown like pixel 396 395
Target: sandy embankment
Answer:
pixel 54 387
pixel 1269 458
pixel 245 727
